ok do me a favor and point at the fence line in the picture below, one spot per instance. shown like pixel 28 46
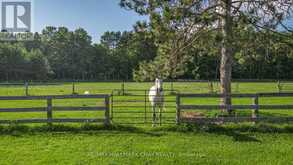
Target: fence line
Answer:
pixel 236 119
pixel 239 95
pixel 254 106
pixel 49 109
pixel 211 86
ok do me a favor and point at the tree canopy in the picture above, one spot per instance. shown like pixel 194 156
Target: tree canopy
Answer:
pixel 178 24
pixel 183 39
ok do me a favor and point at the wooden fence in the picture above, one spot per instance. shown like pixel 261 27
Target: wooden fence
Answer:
pixel 143 108
pixel 254 106
pixel 49 109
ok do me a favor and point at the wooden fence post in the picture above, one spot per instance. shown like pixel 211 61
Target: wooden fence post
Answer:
pixel 112 106
pixel 211 87
pixel 123 88
pixel 145 106
pixel 230 110
pixel 255 111
pixel 73 88
pixel 26 88
pixel 178 109
pixel 279 86
pixel 49 110
pixel 107 112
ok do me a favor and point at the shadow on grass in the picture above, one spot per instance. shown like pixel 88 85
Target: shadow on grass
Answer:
pixel 18 130
pixel 237 135
pixel 239 132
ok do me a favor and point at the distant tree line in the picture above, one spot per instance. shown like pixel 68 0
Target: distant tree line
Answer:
pixel 61 54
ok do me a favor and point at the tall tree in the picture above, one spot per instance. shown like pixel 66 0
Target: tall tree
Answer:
pixel 178 23
pixel 69 52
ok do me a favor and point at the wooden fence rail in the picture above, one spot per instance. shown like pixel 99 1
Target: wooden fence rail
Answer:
pixel 49 109
pixel 254 106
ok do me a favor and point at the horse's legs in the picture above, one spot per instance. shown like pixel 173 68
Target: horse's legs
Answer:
pixel 154 115
pixel 161 111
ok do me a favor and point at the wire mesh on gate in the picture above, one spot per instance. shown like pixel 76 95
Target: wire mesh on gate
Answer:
pixel 134 107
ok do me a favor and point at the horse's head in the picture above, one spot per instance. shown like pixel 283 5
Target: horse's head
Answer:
pixel 159 84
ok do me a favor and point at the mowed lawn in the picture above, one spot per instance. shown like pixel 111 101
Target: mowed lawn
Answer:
pixel 125 145
pixel 140 144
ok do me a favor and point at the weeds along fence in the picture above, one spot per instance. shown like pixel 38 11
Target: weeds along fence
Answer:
pixel 133 107
pixel 187 112
pixel 49 109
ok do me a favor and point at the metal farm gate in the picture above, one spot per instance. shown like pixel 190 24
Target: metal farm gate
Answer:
pixel 133 107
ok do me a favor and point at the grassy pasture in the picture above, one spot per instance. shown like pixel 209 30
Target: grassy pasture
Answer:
pixel 141 144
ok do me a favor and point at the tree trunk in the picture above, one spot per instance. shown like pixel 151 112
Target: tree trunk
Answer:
pixel 226 54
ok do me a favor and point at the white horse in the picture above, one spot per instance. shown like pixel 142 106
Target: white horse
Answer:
pixel 156 98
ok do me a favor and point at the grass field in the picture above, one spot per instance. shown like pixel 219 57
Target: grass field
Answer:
pixel 140 144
